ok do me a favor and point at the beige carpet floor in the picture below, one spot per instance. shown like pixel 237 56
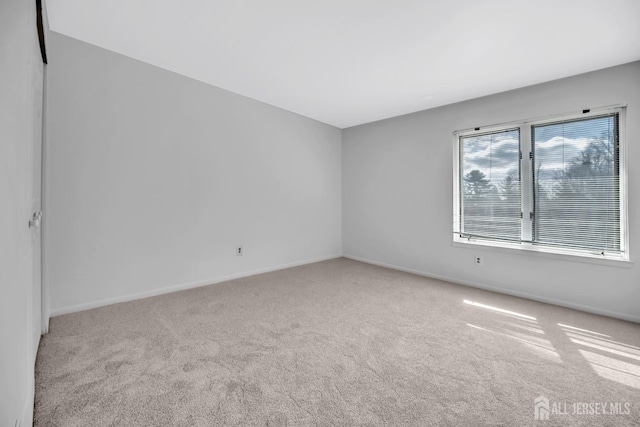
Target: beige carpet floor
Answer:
pixel 336 343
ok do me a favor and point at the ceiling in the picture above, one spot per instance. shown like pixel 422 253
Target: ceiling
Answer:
pixel 348 62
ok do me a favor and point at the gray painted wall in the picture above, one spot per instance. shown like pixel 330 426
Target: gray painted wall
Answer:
pixel 397 196
pixel 154 178
pixel 20 101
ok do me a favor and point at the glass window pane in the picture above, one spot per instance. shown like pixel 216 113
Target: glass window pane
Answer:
pixel 576 179
pixel 490 185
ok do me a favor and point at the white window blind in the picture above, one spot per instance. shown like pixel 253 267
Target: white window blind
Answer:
pixel 577 187
pixel 544 185
pixel 490 185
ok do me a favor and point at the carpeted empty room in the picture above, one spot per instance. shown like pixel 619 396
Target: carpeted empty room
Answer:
pixel 338 342
pixel 330 213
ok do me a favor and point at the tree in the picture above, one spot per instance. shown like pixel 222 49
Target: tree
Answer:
pixel 509 187
pixel 476 184
pixel 595 160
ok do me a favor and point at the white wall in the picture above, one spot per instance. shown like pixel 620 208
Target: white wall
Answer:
pixel 397 195
pixel 20 85
pixel 154 178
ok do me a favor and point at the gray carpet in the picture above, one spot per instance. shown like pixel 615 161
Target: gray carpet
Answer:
pixel 335 343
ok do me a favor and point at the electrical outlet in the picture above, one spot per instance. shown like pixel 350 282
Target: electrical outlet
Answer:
pixel 478 260
pixel 239 250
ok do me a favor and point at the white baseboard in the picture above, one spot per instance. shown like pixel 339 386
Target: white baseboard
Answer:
pixel 183 286
pixel 26 418
pixel 568 304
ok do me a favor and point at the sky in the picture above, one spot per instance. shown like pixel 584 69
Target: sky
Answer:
pixel 556 147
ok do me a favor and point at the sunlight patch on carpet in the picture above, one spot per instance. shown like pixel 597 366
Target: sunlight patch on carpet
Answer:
pixel 498 310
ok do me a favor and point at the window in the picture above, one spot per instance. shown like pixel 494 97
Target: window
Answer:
pixel 550 185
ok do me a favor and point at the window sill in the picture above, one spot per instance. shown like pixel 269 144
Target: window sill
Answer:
pixel 543 252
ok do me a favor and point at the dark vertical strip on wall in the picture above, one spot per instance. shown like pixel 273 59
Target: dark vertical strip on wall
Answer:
pixel 43 49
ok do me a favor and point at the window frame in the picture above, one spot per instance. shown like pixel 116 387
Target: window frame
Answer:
pixel 527 190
